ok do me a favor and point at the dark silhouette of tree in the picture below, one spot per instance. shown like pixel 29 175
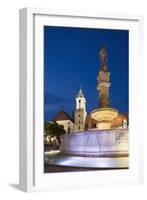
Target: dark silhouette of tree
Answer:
pixel 54 129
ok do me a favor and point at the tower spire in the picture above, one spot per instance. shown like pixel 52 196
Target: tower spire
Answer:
pixel 80 93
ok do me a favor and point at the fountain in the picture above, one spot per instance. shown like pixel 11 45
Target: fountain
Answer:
pixel 104 114
pixel 102 147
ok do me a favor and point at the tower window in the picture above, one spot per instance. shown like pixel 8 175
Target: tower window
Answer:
pixel 79 127
pixel 79 122
pixel 79 115
pixel 79 100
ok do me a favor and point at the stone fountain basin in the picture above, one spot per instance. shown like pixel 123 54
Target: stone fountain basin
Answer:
pixel 113 142
pixel 104 114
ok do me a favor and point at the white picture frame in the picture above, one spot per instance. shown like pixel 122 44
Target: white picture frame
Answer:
pixel 31 175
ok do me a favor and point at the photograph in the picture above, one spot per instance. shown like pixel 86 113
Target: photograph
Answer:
pixel 86 99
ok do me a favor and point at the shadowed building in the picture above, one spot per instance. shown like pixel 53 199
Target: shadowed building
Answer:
pixel 64 119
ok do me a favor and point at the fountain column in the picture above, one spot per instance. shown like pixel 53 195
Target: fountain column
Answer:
pixel 104 114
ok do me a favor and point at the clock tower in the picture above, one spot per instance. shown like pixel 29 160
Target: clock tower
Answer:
pixel 80 112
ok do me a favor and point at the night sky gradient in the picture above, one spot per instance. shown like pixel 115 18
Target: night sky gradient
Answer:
pixel 71 60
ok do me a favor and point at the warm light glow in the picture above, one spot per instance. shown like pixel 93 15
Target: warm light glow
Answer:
pixel 104 125
pixel 104 116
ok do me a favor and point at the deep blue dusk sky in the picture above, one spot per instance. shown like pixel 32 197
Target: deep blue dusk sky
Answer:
pixel 71 60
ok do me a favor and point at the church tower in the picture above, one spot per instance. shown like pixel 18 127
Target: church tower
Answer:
pixel 80 112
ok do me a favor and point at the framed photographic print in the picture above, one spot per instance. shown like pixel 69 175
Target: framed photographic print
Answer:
pixel 79 74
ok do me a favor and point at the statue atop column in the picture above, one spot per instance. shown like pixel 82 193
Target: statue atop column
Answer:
pixel 104 114
pixel 103 79
pixel 103 59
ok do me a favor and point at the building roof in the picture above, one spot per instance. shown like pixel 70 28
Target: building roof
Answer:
pixel 90 120
pixel 116 122
pixel 62 116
